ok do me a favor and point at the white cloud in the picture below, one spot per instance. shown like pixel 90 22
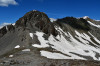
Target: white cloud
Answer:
pixel 3 24
pixel 7 2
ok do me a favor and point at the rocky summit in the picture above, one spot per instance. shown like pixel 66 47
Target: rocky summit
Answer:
pixel 37 40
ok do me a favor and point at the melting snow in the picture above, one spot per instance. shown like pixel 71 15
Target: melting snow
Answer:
pixel 56 55
pixel 11 55
pixel 43 42
pixel 52 55
pixel 26 50
pixel 31 35
pixel 94 38
pixel 84 38
pixel 6 28
pixel 71 48
pixel 98 26
pixel 17 46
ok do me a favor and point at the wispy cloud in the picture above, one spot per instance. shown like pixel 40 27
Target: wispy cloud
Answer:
pixel 7 2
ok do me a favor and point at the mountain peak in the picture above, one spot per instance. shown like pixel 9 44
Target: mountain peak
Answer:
pixel 32 16
pixel 37 20
pixel 85 17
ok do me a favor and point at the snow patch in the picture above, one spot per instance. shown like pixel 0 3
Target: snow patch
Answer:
pixel 43 42
pixel 31 35
pixel 52 19
pixel 11 55
pixel 98 26
pixel 17 46
pixel 52 55
pixel 85 17
pixel 94 38
pixel 26 50
pixel 55 55
pixel 6 28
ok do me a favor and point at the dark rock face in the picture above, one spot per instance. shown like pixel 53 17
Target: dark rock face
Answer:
pixel 38 20
pixel 47 28
pixel 10 27
pixel 3 31
pixel 81 23
pixel 32 16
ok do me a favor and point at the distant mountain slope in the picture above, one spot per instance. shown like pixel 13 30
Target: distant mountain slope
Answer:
pixel 35 40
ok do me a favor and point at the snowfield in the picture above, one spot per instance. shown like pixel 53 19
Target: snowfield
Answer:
pixel 73 49
pixel 98 26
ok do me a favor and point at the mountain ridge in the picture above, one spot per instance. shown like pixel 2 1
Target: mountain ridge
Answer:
pixel 66 38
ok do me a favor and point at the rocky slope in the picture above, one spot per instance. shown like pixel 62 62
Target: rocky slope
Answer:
pixel 35 40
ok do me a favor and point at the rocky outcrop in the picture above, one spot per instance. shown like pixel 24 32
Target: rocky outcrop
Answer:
pixel 3 31
pixel 6 29
pixel 36 19
pixel 80 24
pixel 32 17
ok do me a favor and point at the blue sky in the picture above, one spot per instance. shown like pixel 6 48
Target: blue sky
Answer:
pixel 12 10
